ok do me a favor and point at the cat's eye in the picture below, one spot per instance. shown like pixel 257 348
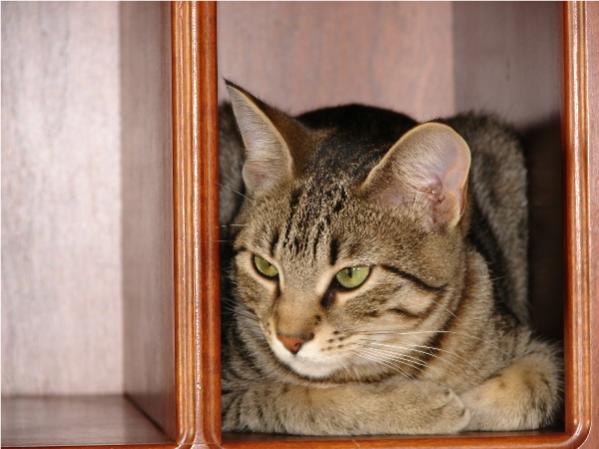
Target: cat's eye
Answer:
pixel 265 268
pixel 352 277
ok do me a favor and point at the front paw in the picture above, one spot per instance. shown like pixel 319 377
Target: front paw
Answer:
pixel 429 408
pixel 445 411
pixel 523 396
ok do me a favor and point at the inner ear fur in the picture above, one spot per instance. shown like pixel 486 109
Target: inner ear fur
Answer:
pixel 276 145
pixel 426 169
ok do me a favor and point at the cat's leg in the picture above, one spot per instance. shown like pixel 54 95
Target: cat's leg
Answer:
pixel 524 395
pixel 348 409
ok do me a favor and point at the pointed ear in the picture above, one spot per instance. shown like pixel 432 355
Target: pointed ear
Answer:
pixel 427 168
pixel 268 136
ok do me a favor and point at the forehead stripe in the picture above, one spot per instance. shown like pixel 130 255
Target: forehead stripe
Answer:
pixel 334 252
pixel 273 242
pixel 293 203
pixel 415 280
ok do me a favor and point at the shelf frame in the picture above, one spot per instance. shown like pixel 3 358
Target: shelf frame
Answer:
pixel 579 19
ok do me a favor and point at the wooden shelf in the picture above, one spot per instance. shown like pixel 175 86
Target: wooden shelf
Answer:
pixel 232 440
pixel 165 87
pixel 76 421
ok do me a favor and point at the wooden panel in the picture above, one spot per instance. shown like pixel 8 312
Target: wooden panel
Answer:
pixel 61 186
pixel 75 420
pixel 508 61
pixel 303 55
pixel 147 242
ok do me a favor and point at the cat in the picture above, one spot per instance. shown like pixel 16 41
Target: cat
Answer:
pixel 378 275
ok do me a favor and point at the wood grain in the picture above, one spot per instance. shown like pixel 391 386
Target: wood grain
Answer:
pixel 61 199
pixel 75 420
pixel 147 210
pixel 304 55
pixel 197 276
pixel 507 59
pixel 586 75
pixel 592 42
pixel 577 342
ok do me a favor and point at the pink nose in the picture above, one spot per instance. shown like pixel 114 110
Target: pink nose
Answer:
pixel 293 344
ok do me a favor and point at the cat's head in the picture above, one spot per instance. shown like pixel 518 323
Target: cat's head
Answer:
pixel 350 247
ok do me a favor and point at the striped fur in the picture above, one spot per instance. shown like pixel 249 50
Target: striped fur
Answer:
pixel 436 340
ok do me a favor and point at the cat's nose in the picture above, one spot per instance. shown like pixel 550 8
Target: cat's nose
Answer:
pixel 294 344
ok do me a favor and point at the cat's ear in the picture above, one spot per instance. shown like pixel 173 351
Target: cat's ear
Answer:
pixel 427 168
pixel 269 137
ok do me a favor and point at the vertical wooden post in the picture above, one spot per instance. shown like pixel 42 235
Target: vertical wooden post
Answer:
pixel 197 281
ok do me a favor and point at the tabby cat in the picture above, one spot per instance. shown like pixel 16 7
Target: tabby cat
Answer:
pixel 378 275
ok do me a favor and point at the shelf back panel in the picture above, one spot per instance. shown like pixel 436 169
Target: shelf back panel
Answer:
pixel 61 199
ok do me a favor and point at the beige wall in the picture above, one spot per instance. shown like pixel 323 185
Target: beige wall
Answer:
pixel 426 59
pixel 61 248
pixel 303 55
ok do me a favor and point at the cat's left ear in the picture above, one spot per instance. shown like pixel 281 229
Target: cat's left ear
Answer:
pixel 427 168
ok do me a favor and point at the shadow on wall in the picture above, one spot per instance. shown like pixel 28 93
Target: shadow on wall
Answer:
pixel 147 210
pixel 507 61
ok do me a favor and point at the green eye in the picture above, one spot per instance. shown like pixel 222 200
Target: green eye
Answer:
pixel 264 267
pixel 352 277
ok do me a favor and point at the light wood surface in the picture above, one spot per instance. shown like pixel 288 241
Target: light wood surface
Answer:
pixel 507 59
pixel 75 421
pixel 61 199
pixel 427 59
pixel 303 55
pixel 147 210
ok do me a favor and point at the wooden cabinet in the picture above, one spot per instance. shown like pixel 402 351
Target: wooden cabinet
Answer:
pixel 538 65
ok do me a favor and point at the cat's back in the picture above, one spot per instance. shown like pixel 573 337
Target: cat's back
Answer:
pixel 498 206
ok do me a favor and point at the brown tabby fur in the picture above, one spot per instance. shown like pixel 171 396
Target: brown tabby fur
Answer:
pixel 435 341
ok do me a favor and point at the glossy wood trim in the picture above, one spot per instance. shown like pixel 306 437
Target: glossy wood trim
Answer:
pixel 197 282
pixel 589 125
pixel 208 322
pixel 577 341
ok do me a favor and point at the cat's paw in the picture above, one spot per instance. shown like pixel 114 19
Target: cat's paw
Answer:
pixel 429 408
pixel 523 396
pixel 446 411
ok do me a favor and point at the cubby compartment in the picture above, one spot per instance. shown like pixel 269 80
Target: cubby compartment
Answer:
pixel 87 244
pixel 110 242
pixel 428 60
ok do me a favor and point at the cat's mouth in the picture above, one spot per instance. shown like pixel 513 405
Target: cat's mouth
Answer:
pixel 309 362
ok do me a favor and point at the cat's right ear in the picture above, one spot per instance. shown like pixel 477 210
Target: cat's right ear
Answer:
pixel 268 136
pixel 425 170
